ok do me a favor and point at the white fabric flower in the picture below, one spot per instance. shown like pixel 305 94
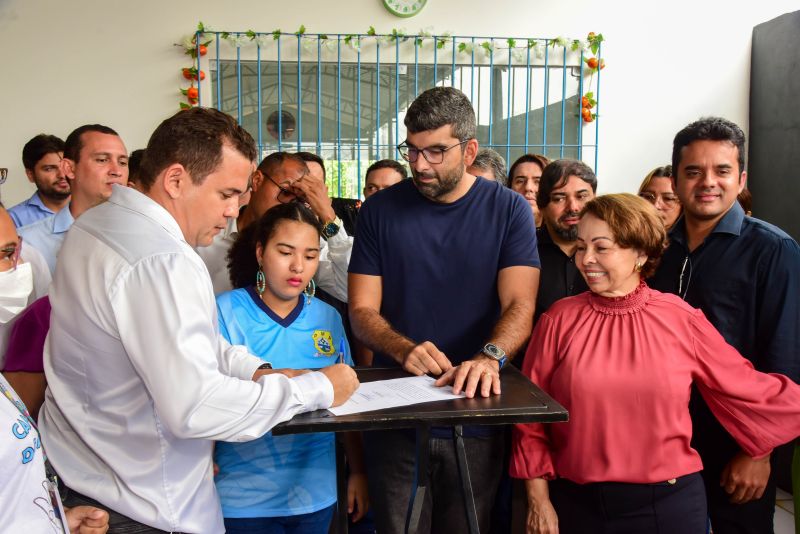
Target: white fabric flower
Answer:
pixel 262 40
pixel 538 50
pixel 238 40
pixel 561 41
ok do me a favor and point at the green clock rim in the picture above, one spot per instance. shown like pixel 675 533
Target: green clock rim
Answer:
pixel 403 15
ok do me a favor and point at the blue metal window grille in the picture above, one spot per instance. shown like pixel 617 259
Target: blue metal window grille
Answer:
pixel 344 97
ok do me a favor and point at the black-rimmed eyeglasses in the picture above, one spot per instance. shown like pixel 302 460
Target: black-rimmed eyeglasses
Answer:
pixel 284 195
pixel 432 155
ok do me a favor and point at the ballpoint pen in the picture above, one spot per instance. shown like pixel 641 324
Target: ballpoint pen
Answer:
pixel 340 359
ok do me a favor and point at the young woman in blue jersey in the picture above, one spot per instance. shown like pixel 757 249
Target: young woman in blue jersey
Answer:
pixel 283 484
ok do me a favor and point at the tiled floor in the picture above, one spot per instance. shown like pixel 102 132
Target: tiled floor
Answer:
pixel 784 514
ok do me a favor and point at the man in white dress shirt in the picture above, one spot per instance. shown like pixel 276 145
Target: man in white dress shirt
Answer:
pixel 140 382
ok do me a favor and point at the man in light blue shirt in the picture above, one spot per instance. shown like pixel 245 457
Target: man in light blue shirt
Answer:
pixel 41 157
pixel 94 159
pixel 47 235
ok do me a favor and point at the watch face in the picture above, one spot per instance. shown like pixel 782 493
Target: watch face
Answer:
pixel 330 229
pixel 494 351
pixel 404 8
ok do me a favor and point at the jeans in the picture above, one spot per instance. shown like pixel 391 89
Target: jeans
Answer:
pixel 312 523
pixel 391 468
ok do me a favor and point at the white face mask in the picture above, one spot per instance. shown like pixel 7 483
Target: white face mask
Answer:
pixel 15 288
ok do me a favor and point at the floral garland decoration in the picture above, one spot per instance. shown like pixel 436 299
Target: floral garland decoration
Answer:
pixel 588 102
pixel 192 48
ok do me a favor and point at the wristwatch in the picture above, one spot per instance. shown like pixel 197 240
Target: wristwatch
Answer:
pixel 496 353
pixel 331 228
pixel 264 366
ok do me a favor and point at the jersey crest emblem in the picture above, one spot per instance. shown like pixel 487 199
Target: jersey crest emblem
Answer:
pixel 323 341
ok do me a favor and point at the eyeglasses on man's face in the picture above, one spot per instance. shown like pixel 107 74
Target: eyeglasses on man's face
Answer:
pixel 9 256
pixel 284 195
pixel 432 155
pixel 667 199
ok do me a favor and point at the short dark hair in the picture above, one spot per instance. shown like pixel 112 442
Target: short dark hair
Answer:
pixel 74 142
pixel 488 159
pixel 39 147
pixel 194 138
pixel 556 175
pixel 538 159
pixel 439 107
pixel 635 224
pixel 135 164
pixel 242 262
pixel 387 164
pixel 270 164
pixel 309 156
pixel 708 129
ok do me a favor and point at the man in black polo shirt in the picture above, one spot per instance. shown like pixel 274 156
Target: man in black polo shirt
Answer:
pixel 745 275
pixel 565 187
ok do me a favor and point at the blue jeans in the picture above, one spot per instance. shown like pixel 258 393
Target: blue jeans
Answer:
pixel 313 523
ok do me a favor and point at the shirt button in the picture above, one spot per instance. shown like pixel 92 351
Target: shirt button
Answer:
pixel 672 481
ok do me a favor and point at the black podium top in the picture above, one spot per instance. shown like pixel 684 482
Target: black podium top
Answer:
pixel 521 401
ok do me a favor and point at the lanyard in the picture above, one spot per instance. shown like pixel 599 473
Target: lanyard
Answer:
pixel 18 403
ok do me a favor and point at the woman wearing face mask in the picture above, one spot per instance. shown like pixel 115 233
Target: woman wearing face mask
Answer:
pixel 26 493
pixel 24 278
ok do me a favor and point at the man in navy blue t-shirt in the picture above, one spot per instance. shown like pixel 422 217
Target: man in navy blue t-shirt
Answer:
pixel 443 280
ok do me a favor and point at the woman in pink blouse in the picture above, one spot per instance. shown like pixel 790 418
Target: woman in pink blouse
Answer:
pixel 622 358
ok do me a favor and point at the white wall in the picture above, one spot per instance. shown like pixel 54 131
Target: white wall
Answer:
pixel 63 64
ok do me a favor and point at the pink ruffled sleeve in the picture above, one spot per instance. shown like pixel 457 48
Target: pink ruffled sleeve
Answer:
pixel 760 410
pixel 530 454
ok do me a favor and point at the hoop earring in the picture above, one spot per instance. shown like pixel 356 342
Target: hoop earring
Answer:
pixel 261 281
pixel 310 290
pixel 638 266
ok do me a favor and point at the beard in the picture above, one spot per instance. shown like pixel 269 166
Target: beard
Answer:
pixel 445 181
pixel 567 233
pixel 49 191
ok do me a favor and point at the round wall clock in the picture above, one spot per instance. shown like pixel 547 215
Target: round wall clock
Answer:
pixel 404 8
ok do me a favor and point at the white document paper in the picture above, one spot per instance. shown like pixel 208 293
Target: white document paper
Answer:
pixel 396 392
